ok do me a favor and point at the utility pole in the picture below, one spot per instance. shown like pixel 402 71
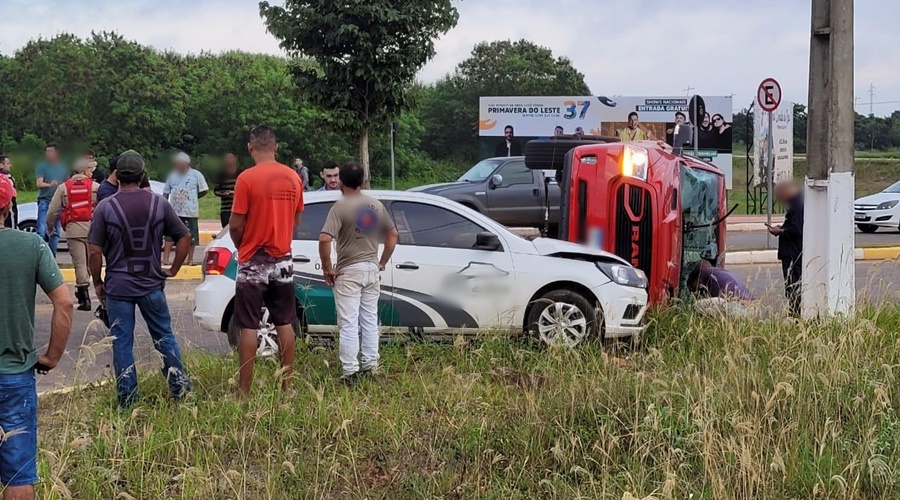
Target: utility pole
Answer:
pixel 688 90
pixel 828 241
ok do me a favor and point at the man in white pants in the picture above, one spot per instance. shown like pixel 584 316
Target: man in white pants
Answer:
pixel 357 223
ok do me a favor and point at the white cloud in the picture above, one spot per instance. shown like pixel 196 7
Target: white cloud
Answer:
pixel 623 48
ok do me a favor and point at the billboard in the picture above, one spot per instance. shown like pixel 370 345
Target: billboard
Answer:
pixel 784 145
pixel 507 123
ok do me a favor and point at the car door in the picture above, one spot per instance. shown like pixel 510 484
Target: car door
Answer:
pixel 440 282
pixel 316 297
pixel 517 200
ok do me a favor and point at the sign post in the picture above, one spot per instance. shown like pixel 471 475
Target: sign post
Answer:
pixel 768 96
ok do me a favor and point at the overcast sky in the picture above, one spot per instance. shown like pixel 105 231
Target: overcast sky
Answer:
pixel 640 47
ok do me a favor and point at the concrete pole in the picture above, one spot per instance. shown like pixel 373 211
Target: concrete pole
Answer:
pixel 828 238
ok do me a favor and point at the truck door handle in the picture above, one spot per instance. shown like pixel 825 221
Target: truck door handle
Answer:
pixel 408 265
pixel 302 259
pixel 536 192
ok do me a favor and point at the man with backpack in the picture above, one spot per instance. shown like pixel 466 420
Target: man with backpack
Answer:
pixel 73 203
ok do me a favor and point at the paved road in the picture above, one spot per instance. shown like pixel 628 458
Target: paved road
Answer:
pixel 756 240
pixel 88 356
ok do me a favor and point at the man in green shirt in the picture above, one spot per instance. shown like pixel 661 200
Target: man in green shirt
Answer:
pixel 27 263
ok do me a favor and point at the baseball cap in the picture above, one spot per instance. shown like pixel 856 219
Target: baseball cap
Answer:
pixel 183 157
pixel 130 163
pixel 7 191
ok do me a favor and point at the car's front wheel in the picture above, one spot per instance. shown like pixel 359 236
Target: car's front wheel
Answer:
pixel 563 317
pixel 266 336
pixel 867 228
pixel 28 226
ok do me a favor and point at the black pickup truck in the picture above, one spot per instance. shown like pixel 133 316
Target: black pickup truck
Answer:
pixel 507 191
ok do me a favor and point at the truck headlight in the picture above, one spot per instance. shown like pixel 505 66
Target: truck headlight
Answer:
pixel 623 275
pixel 635 162
pixel 888 205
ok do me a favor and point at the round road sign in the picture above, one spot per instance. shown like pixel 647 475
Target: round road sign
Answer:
pixel 768 96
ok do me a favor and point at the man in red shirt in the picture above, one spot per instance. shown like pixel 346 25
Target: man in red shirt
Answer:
pixel 268 200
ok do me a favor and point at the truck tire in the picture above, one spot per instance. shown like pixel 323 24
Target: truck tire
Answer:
pixel 549 154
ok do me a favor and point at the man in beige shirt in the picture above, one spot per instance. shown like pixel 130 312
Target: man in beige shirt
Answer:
pixel 74 202
pixel 357 223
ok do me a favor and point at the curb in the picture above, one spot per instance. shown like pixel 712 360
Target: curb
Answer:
pixel 206 237
pixel 185 274
pixel 771 256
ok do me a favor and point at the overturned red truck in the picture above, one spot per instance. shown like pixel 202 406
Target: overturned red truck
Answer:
pixel 658 207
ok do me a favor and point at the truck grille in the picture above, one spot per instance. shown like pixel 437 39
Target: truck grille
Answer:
pixel 634 227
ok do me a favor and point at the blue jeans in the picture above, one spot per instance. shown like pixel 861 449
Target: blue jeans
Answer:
pixel 43 208
pixel 155 311
pixel 18 418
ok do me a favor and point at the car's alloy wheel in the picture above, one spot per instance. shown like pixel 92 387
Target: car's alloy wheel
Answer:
pixel 562 318
pixel 28 227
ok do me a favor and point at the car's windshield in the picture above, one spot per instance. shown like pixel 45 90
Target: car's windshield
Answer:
pixel 480 171
pixel 893 189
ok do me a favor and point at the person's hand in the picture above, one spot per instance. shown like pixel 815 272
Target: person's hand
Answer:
pixel 381 267
pixel 169 273
pixel 330 275
pixel 54 183
pixel 776 231
pixel 45 364
pixel 670 131
pixel 100 289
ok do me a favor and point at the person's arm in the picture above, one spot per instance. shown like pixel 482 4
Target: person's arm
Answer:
pixel 219 190
pixel 793 221
pixel 96 238
pixel 390 243
pixel 175 229
pixel 239 210
pixel 51 282
pixel 329 230
pixel 39 178
pixel 182 247
pixel 236 228
pixel 53 211
pixel 202 186
pixel 167 189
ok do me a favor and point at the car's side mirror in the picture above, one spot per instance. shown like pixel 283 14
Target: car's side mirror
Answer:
pixel 496 181
pixel 487 241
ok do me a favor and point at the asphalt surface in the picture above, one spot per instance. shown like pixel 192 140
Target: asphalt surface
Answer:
pixel 88 356
pixel 756 240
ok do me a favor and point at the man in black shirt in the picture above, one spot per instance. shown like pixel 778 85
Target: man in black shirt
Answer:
pixel 5 169
pixel 510 146
pixel 225 187
pixel 790 241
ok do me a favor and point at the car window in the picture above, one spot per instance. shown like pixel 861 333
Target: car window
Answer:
pixel 425 225
pixel 481 171
pixel 516 173
pixel 311 221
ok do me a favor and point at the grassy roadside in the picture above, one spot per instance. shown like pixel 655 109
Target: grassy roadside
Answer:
pixel 714 408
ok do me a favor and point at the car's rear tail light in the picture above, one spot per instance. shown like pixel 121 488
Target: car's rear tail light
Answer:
pixel 217 260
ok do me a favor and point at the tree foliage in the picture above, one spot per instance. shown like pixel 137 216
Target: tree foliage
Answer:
pixel 368 53
pixel 450 107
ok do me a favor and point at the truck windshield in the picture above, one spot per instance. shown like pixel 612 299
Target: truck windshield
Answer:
pixel 480 172
pixel 700 208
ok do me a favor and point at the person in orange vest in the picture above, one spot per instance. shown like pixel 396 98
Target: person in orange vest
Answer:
pixel 74 202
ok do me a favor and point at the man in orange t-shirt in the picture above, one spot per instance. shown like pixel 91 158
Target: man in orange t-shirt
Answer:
pixel 268 200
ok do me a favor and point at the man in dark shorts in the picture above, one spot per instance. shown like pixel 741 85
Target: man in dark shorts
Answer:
pixel 27 264
pixel 268 200
pixel 126 229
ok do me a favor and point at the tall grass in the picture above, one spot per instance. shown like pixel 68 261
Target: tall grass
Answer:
pixel 705 407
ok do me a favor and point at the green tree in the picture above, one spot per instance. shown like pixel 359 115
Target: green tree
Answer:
pixel 368 53
pixel 450 108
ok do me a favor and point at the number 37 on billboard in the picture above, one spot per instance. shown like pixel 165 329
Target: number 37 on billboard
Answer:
pixel 576 108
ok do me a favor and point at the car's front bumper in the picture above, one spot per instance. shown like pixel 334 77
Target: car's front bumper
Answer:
pixel 211 300
pixel 623 310
pixel 886 218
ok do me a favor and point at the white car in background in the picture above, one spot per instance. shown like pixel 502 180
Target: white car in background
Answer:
pixel 878 210
pixel 455 271
pixel 28 212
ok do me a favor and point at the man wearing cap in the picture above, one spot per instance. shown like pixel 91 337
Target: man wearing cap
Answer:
pixel 76 199
pixel 126 230
pixel 27 264
pixel 5 170
pixel 110 185
pixel 49 175
pixel 184 188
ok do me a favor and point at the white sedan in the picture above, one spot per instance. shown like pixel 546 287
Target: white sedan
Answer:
pixel 878 210
pixel 454 271
pixel 28 212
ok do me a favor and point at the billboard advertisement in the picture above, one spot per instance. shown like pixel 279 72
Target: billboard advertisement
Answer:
pixel 784 145
pixel 507 123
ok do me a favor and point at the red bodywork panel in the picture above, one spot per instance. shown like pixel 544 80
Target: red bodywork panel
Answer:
pixel 640 221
